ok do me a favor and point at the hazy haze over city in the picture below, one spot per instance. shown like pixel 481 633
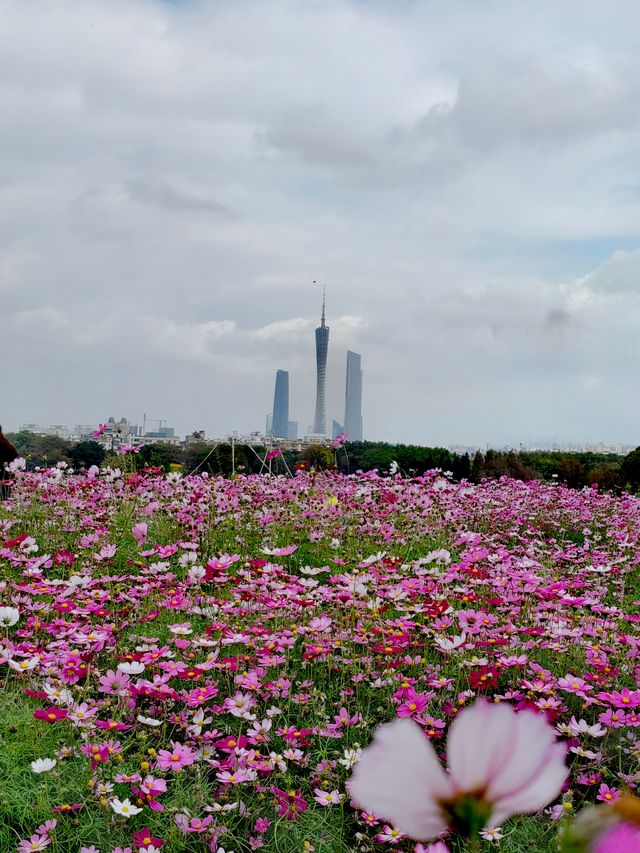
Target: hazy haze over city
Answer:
pixel 464 177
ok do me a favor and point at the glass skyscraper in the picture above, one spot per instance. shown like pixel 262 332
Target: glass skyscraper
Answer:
pixel 280 420
pixel 353 397
pixel 322 348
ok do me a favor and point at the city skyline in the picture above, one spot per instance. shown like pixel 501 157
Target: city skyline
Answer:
pixel 278 424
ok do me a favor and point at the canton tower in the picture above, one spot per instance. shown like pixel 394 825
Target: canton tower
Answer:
pixel 322 347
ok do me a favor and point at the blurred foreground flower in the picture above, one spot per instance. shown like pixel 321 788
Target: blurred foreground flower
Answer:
pixel 604 829
pixel 501 763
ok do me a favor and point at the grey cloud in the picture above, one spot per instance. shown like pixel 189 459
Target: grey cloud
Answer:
pixel 533 102
pixel 162 193
pixel 557 319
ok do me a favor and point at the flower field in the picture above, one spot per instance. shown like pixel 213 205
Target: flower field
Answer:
pixel 197 663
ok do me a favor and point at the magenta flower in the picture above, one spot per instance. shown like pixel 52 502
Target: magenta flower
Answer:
pixel 50 715
pixel 621 698
pixel 501 763
pixel 144 837
pixel 621 838
pixel 415 704
pixel 291 804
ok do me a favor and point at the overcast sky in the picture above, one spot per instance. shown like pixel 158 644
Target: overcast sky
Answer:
pixel 463 176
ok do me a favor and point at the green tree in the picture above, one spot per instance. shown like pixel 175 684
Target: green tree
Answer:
pixel 572 472
pixel 159 455
pixel 87 453
pixel 478 469
pixel 607 476
pixel 200 457
pixel 630 468
pixel 41 451
pixel 317 456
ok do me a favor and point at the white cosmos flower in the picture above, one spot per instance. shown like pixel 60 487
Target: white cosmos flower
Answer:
pixel 24 665
pixel 8 616
pixel 148 721
pixel 311 570
pixel 448 644
pixel 42 765
pixel 350 758
pixel 133 667
pixel 196 573
pixel 582 727
pixel 124 807
pixel 182 629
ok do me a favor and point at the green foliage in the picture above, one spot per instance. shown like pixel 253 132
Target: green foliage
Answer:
pixel 158 455
pixel 317 457
pixel 87 453
pixel 41 451
pixel 631 468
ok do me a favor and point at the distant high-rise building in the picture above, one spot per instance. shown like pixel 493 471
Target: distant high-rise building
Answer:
pixel 292 431
pixel 336 429
pixel 280 423
pixel 269 427
pixel 322 348
pixel 353 397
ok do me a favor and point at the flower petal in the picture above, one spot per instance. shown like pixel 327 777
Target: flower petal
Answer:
pixel 538 790
pixel 535 763
pixel 399 778
pixel 480 742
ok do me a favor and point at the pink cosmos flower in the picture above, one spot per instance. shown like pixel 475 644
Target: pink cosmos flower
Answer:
pixel 501 763
pixel 36 842
pixel 607 794
pixel 140 531
pixel 195 825
pixel 175 759
pixel 148 791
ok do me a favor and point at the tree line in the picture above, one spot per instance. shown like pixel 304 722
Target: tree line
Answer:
pixel 574 469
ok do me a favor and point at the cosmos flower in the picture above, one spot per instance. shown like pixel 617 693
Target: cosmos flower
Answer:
pixel 124 807
pixel 176 758
pixel 501 763
pixel 8 616
pixel 43 765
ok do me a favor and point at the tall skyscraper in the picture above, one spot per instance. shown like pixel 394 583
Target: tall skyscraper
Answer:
pixel 353 397
pixel 322 348
pixel 280 421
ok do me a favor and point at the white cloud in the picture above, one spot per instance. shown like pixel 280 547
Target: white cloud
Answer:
pixel 287 329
